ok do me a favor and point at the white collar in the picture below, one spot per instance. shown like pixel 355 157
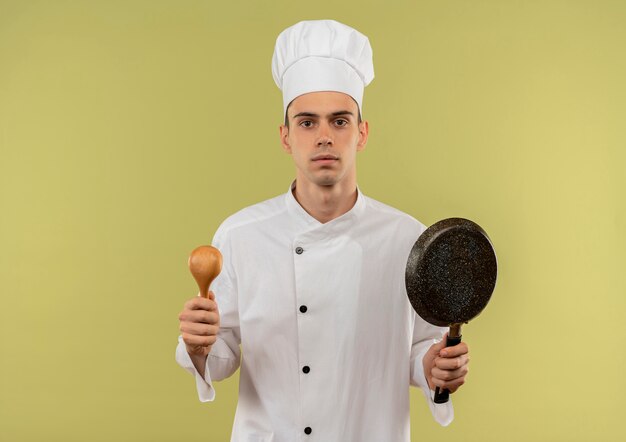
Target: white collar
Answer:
pixel 335 225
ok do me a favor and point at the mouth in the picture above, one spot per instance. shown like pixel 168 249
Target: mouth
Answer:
pixel 325 158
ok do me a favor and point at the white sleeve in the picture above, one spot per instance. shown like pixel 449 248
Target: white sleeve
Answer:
pixel 425 335
pixel 225 355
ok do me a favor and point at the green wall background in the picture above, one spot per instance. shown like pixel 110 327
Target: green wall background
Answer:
pixel 130 129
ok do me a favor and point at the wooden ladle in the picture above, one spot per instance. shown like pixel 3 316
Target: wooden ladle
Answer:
pixel 205 263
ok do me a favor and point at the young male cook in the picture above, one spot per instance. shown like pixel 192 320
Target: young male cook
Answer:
pixel 312 285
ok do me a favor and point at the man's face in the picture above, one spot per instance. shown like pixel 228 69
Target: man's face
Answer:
pixel 324 136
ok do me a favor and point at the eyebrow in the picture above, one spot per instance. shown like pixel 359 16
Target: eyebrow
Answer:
pixel 334 114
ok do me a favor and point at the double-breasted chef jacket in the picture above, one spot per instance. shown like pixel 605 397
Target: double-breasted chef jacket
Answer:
pixel 329 339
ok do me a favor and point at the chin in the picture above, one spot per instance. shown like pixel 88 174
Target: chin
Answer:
pixel 327 180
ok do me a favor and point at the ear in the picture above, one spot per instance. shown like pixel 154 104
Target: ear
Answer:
pixel 364 130
pixel 284 138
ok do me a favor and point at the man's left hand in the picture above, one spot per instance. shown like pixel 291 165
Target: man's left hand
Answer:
pixel 446 367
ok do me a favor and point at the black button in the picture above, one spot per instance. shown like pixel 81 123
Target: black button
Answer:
pixel 303 309
pixel 306 369
pixel 307 430
pixel 299 250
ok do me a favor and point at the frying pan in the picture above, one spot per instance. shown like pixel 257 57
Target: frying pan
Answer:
pixel 450 276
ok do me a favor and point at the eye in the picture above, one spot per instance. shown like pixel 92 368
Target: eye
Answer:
pixel 306 123
pixel 341 122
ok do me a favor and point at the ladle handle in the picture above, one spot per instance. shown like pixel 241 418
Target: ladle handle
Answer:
pixel 442 396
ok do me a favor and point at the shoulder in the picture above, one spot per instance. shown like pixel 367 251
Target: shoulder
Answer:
pixel 248 216
pixel 391 231
pixel 391 222
pixel 392 217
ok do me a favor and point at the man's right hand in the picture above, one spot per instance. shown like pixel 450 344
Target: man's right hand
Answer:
pixel 199 324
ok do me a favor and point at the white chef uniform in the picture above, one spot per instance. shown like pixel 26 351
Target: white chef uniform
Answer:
pixel 329 339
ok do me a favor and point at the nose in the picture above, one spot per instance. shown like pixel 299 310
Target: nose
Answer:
pixel 324 138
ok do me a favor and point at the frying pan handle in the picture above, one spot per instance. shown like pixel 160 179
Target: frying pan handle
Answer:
pixel 441 397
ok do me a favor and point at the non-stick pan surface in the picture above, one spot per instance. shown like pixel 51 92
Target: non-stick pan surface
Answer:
pixel 451 272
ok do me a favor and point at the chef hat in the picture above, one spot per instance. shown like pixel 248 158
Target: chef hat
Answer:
pixel 322 55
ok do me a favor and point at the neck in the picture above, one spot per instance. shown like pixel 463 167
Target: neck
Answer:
pixel 325 203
